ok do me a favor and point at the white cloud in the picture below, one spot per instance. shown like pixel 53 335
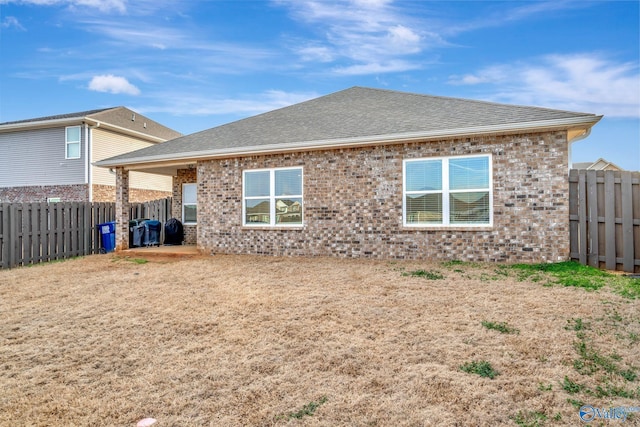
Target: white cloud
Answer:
pixel 12 22
pixel 201 105
pixel 101 5
pixel 376 68
pixel 582 82
pixel 112 84
pixel 370 33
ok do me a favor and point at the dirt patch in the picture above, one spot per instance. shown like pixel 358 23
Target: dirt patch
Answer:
pixel 241 340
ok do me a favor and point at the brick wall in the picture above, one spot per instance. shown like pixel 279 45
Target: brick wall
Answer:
pixel 74 193
pixel 107 193
pixel 40 193
pixel 353 203
pixel 185 176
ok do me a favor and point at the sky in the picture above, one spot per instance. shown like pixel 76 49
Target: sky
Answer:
pixel 195 64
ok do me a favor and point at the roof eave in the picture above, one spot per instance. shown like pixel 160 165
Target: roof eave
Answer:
pixel 11 127
pixel 186 157
pixel 70 121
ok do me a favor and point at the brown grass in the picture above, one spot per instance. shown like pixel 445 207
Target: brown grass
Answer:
pixel 241 340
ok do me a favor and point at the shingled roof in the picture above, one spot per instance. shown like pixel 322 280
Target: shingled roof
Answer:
pixel 118 118
pixel 355 116
pixel 77 115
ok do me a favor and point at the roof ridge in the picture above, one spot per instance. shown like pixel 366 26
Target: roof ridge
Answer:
pixel 61 116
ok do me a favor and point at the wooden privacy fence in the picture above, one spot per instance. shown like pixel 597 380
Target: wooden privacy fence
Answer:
pixel 604 217
pixel 38 232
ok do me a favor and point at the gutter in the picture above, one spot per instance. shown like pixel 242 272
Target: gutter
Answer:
pixel 351 142
pixel 74 121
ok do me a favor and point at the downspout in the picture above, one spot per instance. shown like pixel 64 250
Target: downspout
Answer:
pixel 580 137
pixel 88 133
pixel 87 165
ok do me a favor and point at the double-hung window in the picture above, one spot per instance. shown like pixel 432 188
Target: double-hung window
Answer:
pixel 189 203
pixel 448 191
pixel 72 142
pixel 272 197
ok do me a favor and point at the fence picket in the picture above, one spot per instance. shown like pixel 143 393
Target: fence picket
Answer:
pixel 610 220
pixel 604 219
pixel 39 232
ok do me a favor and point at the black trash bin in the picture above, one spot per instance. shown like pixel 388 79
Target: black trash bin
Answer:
pixel 152 229
pixel 136 232
pixel 173 232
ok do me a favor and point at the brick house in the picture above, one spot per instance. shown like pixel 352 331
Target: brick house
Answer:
pixel 373 173
pixel 51 158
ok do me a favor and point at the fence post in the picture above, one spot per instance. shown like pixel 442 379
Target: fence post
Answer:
pixel 7 242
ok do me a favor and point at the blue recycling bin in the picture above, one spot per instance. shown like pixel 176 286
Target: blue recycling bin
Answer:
pixel 108 236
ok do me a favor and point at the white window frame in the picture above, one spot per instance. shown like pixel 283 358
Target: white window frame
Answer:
pixel 67 142
pixel 272 197
pixel 445 193
pixel 195 203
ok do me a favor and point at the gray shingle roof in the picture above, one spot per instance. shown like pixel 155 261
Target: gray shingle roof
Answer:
pixel 353 113
pixel 120 117
pixel 58 117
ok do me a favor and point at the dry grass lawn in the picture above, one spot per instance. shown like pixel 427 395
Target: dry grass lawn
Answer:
pixel 262 341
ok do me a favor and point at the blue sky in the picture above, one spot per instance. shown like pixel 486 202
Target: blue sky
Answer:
pixel 193 65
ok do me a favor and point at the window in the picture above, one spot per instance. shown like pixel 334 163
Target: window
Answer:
pixel 452 191
pixel 189 203
pixel 272 197
pixel 72 145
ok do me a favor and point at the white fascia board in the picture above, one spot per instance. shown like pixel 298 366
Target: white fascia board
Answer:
pixel 43 124
pixel 141 135
pixel 12 127
pixel 329 144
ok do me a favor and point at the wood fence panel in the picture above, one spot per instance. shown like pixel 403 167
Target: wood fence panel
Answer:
pixel 604 219
pixel 582 218
pixel 38 232
pixel 627 222
pixel 592 219
pixel 5 235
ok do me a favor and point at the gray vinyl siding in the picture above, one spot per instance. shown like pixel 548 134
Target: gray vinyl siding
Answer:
pixel 37 157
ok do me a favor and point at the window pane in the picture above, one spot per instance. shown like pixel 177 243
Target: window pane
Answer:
pixel 73 134
pixel 469 208
pixel 424 175
pixel 469 173
pixel 73 151
pixel 256 184
pixel 289 211
pixel 190 214
pixel 189 193
pixel 424 209
pixel 288 182
pixel 257 211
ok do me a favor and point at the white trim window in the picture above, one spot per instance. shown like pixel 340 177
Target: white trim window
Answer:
pixel 272 197
pixel 72 142
pixel 189 204
pixel 448 191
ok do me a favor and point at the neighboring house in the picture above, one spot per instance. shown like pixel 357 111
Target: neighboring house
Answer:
pixel 373 173
pixel 599 165
pixel 51 158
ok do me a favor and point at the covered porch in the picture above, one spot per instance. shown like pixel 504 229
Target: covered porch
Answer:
pixel 184 182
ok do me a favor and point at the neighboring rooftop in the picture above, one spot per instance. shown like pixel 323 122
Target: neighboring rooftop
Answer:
pixel 599 165
pixel 119 117
pixel 356 116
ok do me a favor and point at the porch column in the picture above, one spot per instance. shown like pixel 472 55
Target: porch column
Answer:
pixel 122 209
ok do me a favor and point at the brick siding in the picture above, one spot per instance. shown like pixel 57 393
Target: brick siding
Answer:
pixel 74 193
pixel 185 176
pixel 353 203
pixel 107 193
pixel 40 193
